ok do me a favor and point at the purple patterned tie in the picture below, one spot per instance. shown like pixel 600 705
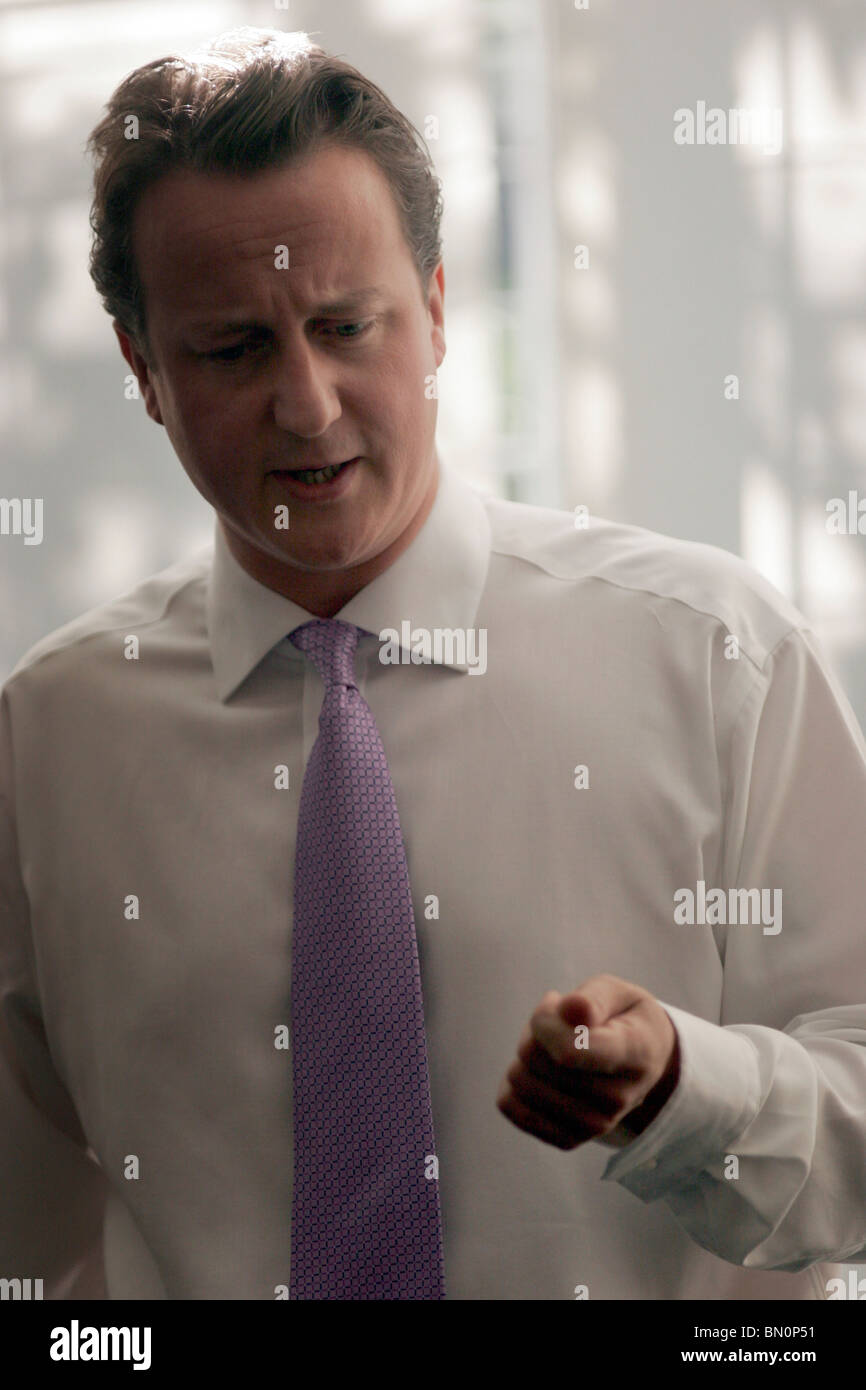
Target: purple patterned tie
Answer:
pixel 365 1213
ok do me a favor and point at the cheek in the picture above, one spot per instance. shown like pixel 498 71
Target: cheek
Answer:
pixel 212 413
pixel 200 425
pixel 401 386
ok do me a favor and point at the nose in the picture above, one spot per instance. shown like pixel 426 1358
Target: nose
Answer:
pixel 305 397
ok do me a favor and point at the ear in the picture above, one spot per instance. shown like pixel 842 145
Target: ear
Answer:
pixel 436 310
pixel 144 374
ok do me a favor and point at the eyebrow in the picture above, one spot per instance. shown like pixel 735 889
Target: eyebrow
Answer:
pixel 347 304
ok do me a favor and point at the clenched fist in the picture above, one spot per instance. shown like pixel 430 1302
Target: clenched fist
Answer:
pixel 609 1089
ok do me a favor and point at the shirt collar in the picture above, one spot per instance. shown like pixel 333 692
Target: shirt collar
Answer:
pixel 436 583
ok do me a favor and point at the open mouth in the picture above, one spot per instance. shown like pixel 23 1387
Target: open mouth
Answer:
pixel 316 476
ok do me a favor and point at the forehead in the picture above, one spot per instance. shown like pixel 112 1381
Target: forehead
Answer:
pixel 200 238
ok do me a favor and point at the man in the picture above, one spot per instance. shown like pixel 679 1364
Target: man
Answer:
pixel 611 774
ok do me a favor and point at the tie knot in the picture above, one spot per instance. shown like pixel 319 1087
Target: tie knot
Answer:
pixel 330 644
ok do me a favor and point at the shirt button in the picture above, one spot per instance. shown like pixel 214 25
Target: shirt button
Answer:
pixel 650 1163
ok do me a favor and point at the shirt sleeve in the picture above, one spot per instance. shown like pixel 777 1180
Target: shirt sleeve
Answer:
pixel 760 1152
pixel 52 1191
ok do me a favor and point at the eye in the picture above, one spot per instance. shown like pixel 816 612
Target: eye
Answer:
pixel 345 332
pixel 356 330
pixel 230 354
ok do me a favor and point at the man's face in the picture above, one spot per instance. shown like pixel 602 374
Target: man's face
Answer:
pixel 256 369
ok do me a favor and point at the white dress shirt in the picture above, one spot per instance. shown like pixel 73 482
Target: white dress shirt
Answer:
pixel 146 865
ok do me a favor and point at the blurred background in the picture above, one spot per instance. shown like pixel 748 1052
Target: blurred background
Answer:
pixel 672 334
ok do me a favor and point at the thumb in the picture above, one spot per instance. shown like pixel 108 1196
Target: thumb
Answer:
pixel 598 999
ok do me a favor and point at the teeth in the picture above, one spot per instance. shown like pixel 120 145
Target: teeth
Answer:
pixel 319 475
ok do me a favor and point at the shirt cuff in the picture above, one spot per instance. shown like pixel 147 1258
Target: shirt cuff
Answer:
pixel 717 1095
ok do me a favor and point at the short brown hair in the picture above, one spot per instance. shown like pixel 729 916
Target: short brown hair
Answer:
pixel 250 100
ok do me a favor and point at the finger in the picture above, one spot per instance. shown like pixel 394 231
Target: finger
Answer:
pixel 597 1094
pixel 591 1088
pixel 549 1031
pixel 592 1108
pixel 599 999
pixel 552 1044
pixel 532 1123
